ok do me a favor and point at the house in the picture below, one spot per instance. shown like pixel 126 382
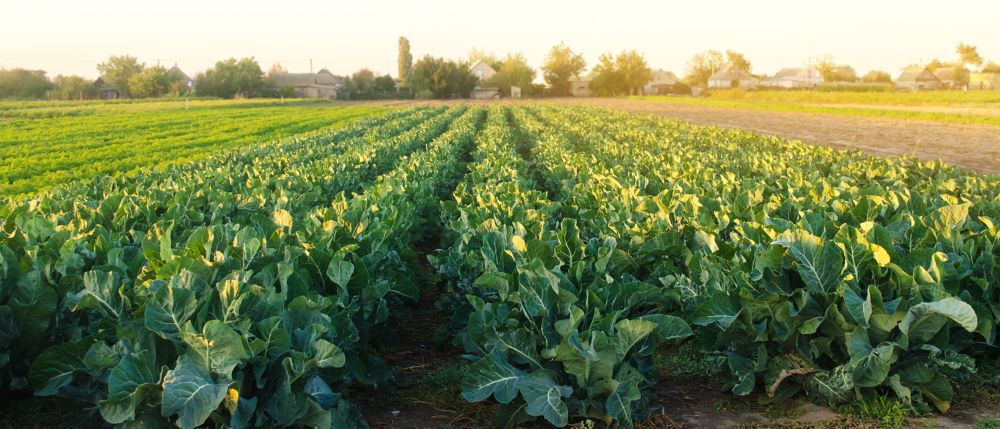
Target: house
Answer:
pixel 725 78
pixel 950 77
pixel 916 79
pixel 580 87
pixel 662 82
pixel 321 84
pixel 515 91
pixel 482 70
pixel 107 90
pixel 984 81
pixel 792 77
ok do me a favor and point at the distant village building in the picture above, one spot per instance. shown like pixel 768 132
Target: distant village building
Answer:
pixel 321 84
pixel 792 77
pixel 984 81
pixel 917 79
pixel 729 76
pixel 662 82
pixel 580 87
pixel 483 72
pixel 950 77
pixel 107 90
pixel 515 91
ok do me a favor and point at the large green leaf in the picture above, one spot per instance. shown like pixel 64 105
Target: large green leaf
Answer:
pixel 168 311
pixel 190 393
pixel 217 349
pixel 57 365
pixel 821 265
pixel 128 385
pixel 925 320
pixel 491 376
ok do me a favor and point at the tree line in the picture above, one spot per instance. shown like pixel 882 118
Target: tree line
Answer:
pixel 624 73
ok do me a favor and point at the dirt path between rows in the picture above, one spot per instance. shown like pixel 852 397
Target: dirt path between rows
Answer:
pixel 975 147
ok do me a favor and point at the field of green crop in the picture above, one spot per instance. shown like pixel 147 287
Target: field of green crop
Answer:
pixel 959 107
pixel 43 144
pixel 567 247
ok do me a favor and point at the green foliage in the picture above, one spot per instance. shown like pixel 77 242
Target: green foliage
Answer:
pixel 702 66
pixel 222 311
pixel 441 78
pixel 627 73
pixel 513 71
pixel 86 139
pixel 561 65
pixel 73 87
pixel 23 84
pixel 118 71
pixel 233 79
pixel 404 62
pixel 877 76
pixel 155 81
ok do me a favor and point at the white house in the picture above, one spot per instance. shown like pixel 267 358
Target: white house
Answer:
pixel 725 79
pixel 580 87
pixel 791 77
pixel 483 72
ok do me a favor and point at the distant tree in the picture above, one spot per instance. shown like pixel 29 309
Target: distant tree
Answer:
pixel 364 79
pixel 936 64
pixel 968 54
pixel 73 87
pixel 233 79
pixel 404 62
pixel 384 85
pixel 561 65
pixel 277 68
pixel 514 70
pixel 633 70
pixel 118 70
pixel 991 67
pixel 23 83
pixel 155 81
pixel 702 66
pixel 441 78
pixel 605 79
pixel 476 54
pixel 877 76
pixel 737 61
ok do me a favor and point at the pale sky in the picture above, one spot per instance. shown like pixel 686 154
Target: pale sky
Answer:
pixel 71 37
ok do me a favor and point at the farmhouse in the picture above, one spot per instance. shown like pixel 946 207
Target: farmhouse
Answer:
pixel 950 76
pixel 107 90
pixel 661 83
pixel 791 77
pixel 186 83
pixel 483 72
pixel 984 81
pixel 321 84
pixel 580 87
pixel 916 79
pixel 729 76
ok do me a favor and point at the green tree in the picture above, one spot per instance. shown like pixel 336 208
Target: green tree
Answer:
pixel 155 81
pixel 561 65
pixel 877 76
pixel 702 66
pixel 513 70
pixel 991 67
pixel 404 62
pixel 737 61
pixel 233 79
pixel 73 87
pixel 364 79
pixel 23 83
pixel 968 54
pixel 384 86
pixel 118 70
pixel 633 70
pixel 605 79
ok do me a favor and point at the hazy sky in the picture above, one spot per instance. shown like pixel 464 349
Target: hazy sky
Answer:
pixel 70 37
